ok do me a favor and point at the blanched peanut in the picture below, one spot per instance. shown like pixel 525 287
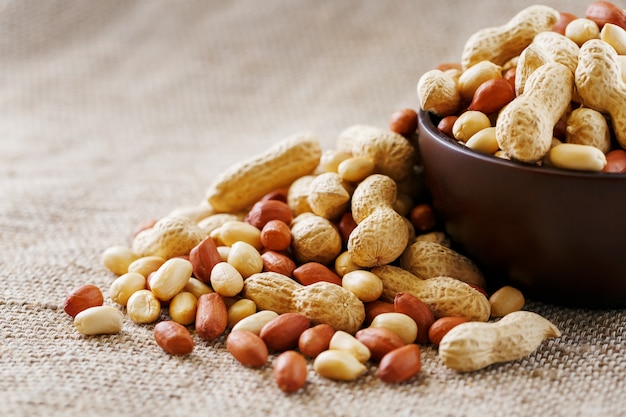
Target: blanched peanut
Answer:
pixel 614 36
pixel 577 157
pixel 146 265
pixel 197 287
pixel 346 342
pixel 182 308
pixel 484 141
pixel 344 264
pixel 170 278
pixel 338 365
pixel 330 160
pixel 238 231
pixel 364 284
pixel 143 307
pixel 117 259
pixel 474 76
pixel 356 169
pixel 239 310
pixel 226 280
pixel 506 300
pixel 125 285
pixel 223 251
pixel 255 322
pixel 245 258
pixel 99 320
pixel 399 323
pixel 468 123
pixel 581 30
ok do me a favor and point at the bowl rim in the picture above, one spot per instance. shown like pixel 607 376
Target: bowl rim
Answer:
pixel 426 122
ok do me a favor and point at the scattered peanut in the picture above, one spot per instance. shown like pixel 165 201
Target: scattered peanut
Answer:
pixel 338 365
pixel 472 346
pixel 99 320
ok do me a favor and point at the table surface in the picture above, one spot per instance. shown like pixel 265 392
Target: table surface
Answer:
pixel 115 112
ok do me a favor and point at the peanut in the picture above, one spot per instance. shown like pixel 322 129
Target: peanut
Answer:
pixel 506 300
pixel 499 44
pixel 168 238
pixel 173 338
pixel 203 257
pixel 282 332
pixel 404 122
pixel 117 259
pixel 82 298
pixel 247 348
pixel 379 341
pixel 347 342
pixel 614 36
pixel 600 86
pixel 246 182
pixel 468 124
pixel 524 127
pixel 399 323
pixel 143 307
pixel 170 278
pixel 484 141
pixel 438 93
pixel 290 371
pixel 603 12
pixel 577 157
pixel 392 153
pixel 588 127
pixel 277 262
pixel 364 284
pixel 329 197
pixel 321 302
pixel 338 365
pixel 239 310
pixel 245 258
pixel 430 259
pixel 445 296
pixel 226 280
pixel 314 239
pixel 276 235
pixel 99 320
pixel 581 30
pixel 125 285
pixel 400 364
pixel 183 307
pixel 418 310
pixel 315 340
pixel 255 322
pixel 211 316
pixel 473 346
pixel 146 265
pixel 442 326
pixel 472 78
pixel 381 234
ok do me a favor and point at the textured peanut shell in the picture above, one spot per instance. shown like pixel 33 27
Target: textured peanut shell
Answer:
pixel 321 302
pixel 393 154
pixel 431 259
pixel 271 291
pixel 379 239
pixel 524 128
pixel 246 182
pixel 328 196
pixel 314 239
pixel 445 296
pixel 168 238
pixel 499 44
pixel 438 93
pixel 372 193
pixel 587 126
pixel 472 346
pixel 298 195
pixel 600 86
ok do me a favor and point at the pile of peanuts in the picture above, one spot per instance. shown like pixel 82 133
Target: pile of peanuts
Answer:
pixel 552 96
pixel 332 257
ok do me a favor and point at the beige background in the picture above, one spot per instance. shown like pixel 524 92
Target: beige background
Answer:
pixel 113 112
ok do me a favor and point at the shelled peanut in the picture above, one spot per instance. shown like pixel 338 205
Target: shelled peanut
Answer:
pixel 545 88
pixel 292 274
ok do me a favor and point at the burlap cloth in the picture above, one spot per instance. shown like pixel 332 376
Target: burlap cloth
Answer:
pixel 114 112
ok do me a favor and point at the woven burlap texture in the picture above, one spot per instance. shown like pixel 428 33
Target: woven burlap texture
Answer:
pixel 115 112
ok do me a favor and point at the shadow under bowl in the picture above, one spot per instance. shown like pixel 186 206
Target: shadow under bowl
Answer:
pixel 557 235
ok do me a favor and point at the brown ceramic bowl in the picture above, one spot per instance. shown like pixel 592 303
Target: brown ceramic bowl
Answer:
pixel 559 236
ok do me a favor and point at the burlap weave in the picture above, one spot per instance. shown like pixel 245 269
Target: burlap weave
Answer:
pixel 114 112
